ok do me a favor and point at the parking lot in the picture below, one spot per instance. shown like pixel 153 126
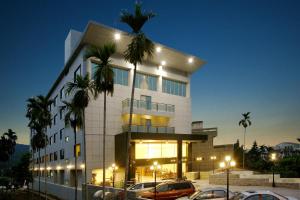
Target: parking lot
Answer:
pixel 200 184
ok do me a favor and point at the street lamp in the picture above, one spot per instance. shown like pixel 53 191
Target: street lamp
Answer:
pixel 213 158
pixel 199 159
pixel 273 159
pixel 155 167
pixel 227 165
pixel 114 168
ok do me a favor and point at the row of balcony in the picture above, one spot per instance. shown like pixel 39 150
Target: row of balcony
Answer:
pixel 148 105
pixel 149 129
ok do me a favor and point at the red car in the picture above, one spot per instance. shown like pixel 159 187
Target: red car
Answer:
pixel 170 190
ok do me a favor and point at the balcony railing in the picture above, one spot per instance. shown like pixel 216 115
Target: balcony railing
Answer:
pixel 150 106
pixel 149 129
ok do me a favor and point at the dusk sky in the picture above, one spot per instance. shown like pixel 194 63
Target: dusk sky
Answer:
pixel 252 49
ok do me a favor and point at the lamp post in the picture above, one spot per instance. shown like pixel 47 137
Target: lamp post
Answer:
pixel 213 158
pixel 114 168
pixel 273 159
pixel 155 167
pixel 227 164
pixel 199 159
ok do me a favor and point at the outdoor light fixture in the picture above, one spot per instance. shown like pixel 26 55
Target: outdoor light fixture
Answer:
pixel 229 163
pixel 273 159
pixel 155 167
pixel 41 168
pixel 117 36
pixel 82 166
pixel 58 167
pixel 48 168
pixel 199 158
pixel 158 49
pixel 163 63
pixel 114 168
pixel 191 60
pixel 69 166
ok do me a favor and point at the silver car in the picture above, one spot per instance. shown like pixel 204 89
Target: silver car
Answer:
pixel 261 195
pixel 217 193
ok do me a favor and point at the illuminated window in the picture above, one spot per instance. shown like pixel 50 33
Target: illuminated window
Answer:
pixel 77 150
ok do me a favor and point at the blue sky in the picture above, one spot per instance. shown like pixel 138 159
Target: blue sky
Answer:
pixel 251 48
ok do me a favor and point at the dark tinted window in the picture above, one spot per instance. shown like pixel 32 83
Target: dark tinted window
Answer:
pixel 253 197
pixel 219 194
pixel 205 195
pixel 163 188
pixel 136 187
pixel 147 185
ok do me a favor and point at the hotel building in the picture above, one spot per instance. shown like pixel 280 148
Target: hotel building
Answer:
pixel 162 116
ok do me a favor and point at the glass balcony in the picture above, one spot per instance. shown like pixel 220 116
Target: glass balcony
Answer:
pixel 149 129
pixel 148 106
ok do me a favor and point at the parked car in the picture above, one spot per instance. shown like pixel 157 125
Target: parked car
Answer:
pixel 170 190
pixel 138 188
pixel 217 193
pixel 261 195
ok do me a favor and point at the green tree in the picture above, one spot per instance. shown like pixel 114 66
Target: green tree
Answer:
pixel 135 53
pixel 39 117
pixel 104 83
pixel 21 171
pixel 238 152
pixel 245 122
pixel 82 88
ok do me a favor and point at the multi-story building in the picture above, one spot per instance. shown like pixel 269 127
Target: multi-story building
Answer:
pixel 162 116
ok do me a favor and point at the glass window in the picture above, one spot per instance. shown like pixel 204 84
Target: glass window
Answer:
pixel 61 93
pixel 219 194
pixel 174 87
pixel 55 155
pixel 61 133
pixel 54 138
pixel 269 197
pixel 55 101
pixel 54 119
pixel 145 81
pixel 77 72
pixel 77 150
pixel 61 112
pixel 253 197
pixel 62 154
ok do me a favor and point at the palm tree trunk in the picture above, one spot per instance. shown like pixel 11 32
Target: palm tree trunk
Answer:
pixel 104 135
pixel 84 143
pixel 129 134
pixel 39 173
pixel 244 149
pixel 45 172
pixel 75 142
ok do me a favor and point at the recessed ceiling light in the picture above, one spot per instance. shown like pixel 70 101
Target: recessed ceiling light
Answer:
pixel 191 60
pixel 117 36
pixel 163 63
pixel 158 49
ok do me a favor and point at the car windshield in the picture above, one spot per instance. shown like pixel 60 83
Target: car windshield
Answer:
pixel 239 196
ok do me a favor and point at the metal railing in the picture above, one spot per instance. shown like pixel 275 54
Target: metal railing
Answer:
pixel 149 129
pixel 146 105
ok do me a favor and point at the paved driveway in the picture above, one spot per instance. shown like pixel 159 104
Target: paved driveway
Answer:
pixel 283 191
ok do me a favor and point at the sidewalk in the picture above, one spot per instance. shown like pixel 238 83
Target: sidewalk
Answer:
pixel 283 191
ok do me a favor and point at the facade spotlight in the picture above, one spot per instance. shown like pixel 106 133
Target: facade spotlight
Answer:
pixel 158 49
pixel 117 36
pixel 191 60
pixel 163 63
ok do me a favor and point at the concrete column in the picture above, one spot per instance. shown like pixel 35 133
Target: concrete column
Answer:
pixel 179 159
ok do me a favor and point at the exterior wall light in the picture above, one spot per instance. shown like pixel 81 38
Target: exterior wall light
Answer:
pixel 117 36
pixel 191 60
pixel 163 63
pixel 158 49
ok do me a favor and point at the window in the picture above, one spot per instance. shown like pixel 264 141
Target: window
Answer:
pixel 269 197
pixel 61 93
pixel 51 156
pixel 62 154
pixel 55 155
pixel 174 87
pixel 145 81
pixel 77 150
pixel 253 197
pixel 54 119
pixel 50 140
pixel 55 101
pixel 120 75
pixel 219 194
pixel 67 139
pixel 49 107
pixel 61 133
pixel 61 113
pixel 77 72
pixel 54 137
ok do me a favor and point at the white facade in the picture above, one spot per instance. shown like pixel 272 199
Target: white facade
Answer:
pixel 62 168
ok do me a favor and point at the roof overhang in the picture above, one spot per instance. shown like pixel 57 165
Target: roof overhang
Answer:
pixel 98 34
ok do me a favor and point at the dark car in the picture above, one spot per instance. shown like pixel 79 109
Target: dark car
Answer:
pixel 170 190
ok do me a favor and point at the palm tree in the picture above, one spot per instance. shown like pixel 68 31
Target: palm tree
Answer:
pixel 82 87
pixel 104 82
pixel 39 118
pixel 245 122
pixel 136 51
pixel 11 144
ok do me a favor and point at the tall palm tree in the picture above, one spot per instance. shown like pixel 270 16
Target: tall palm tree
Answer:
pixel 83 87
pixel 11 144
pixel 39 117
pixel 104 82
pixel 136 51
pixel 245 122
